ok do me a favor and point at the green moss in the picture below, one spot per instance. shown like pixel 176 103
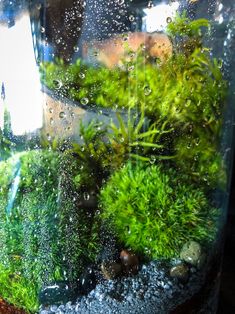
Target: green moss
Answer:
pixel 154 211
pixel 17 290
pixel 186 92
pixel 44 233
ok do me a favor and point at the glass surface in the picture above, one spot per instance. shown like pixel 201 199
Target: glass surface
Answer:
pixel 116 122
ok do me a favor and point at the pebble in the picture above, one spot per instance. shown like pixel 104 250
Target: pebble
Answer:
pixel 152 290
pixel 130 262
pixel 180 271
pixel 87 280
pixel 53 308
pixel 192 253
pixel 111 270
pixel 58 292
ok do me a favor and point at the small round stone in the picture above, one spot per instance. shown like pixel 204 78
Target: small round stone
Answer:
pixel 192 253
pixel 87 280
pixel 129 261
pixel 111 270
pixel 180 271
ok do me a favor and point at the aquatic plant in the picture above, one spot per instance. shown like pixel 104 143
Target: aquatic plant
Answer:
pixel 5 147
pixel 186 92
pixel 17 290
pixel 154 211
pixel 138 138
pixel 44 231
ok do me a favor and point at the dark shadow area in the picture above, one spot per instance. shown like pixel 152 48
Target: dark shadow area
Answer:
pixel 227 289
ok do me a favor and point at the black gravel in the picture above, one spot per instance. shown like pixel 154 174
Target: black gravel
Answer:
pixel 152 290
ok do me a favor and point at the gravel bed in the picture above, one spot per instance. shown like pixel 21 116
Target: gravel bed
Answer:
pixel 152 290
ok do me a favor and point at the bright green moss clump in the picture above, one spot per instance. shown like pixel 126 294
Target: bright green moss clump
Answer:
pixel 154 210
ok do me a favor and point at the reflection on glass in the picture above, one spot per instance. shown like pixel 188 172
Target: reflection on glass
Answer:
pixel 114 169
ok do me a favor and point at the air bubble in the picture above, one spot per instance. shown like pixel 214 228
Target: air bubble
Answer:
pixel 42 29
pixel 51 121
pixel 76 49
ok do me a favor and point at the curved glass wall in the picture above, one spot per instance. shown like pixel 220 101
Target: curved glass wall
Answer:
pixel 116 122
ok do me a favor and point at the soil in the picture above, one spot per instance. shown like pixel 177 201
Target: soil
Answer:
pixel 6 308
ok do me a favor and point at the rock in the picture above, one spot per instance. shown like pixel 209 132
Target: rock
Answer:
pixel 111 270
pixel 180 271
pixel 55 293
pixel 87 280
pixel 192 254
pixel 130 262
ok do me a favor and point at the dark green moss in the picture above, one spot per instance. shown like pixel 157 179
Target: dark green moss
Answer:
pixel 44 231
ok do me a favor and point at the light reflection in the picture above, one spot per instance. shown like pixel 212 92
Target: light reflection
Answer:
pixel 20 75
pixel 156 18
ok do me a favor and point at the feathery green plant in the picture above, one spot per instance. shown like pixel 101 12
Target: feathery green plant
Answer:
pixel 44 232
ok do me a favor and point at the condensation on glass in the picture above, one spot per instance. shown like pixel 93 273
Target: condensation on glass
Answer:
pixel 116 122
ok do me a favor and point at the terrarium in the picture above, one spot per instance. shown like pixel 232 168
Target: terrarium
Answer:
pixel 116 125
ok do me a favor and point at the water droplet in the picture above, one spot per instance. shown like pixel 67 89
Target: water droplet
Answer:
pixel 81 75
pixel 84 101
pixel 51 121
pixel 168 19
pixel 86 196
pixel 76 49
pixel 42 29
pixel 152 159
pixel 147 91
pixel 62 115
pixel 51 110
pixel 125 37
pixel 197 141
pixel 131 68
pixel 58 84
pixel 121 2
pixel 95 53
pixel 188 102
pixel 150 4
pixel 143 47
pixel 131 18
pixel 48 137
pixel 72 115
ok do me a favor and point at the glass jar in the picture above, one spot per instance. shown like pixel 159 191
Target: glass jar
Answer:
pixel 116 123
